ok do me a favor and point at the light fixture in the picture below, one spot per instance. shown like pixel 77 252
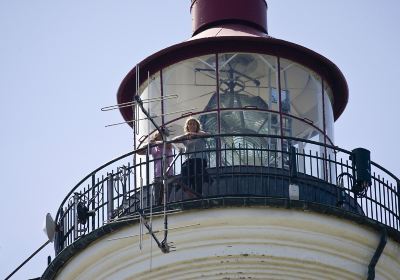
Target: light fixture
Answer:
pixel 361 164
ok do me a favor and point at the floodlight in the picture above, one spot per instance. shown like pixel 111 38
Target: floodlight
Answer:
pixel 361 164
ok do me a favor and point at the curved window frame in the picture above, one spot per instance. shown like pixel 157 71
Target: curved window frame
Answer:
pixel 323 95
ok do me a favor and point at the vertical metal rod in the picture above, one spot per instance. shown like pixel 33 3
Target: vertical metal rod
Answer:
pixel 165 190
pixel 149 198
pixel 350 194
pixel 98 202
pixel 59 243
pixel 384 200
pixel 342 188
pixel 329 168
pixel 261 171
pixel 375 204
pixel 75 213
pixel 162 98
pixel 69 222
pixel 392 206
pixel 110 196
pixel 305 162
pixel 278 84
pixel 233 166
pixel 141 208
pixel 255 168
pixel 102 198
pixel 218 159
pixel 86 198
pixel 398 205
pixel 129 188
pixel 124 174
pixel 246 153
pixel 137 94
pixel 269 168
pixel 240 167
pixel 324 125
pixel 292 163
pixel 387 206
pixel 380 198
pixel 93 200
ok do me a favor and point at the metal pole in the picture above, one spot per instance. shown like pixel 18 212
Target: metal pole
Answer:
pixel 93 200
pixel 27 260
pixel 110 196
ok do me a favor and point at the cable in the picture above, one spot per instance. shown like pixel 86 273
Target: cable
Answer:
pixel 27 260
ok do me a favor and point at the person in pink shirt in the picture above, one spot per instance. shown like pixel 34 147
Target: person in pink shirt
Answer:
pixel 156 151
pixel 157 154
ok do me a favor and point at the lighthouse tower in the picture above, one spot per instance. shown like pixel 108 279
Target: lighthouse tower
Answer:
pixel 259 192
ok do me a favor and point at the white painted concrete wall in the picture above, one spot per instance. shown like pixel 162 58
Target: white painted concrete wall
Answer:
pixel 240 243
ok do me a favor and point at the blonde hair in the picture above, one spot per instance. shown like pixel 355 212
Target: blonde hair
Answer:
pixel 185 129
pixel 155 135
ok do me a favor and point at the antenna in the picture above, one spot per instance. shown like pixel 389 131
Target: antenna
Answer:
pixel 133 103
pixel 163 245
pixel 83 213
pixel 184 113
pixel 49 227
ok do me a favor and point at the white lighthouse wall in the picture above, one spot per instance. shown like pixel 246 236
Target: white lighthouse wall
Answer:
pixel 239 243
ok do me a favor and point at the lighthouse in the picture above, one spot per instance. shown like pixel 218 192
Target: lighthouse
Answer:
pixel 271 198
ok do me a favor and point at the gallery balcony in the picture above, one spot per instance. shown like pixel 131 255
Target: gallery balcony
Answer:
pixel 240 172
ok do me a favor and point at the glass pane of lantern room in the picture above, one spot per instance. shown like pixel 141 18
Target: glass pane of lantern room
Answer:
pixel 302 114
pixel 194 81
pixel 150 92
pixel 329 131
pixel 247 81
pixel 329 118
pixel 301 91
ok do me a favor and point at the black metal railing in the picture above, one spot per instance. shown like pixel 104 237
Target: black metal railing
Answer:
pixel 229 165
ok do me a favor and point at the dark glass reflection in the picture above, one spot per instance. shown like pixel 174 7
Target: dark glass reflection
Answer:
pixel 236 74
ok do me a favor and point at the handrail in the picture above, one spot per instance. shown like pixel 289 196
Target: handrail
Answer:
pixel 242 109
pixel 89 175
pixel 216 135
pixel 386 171
pixel 317 168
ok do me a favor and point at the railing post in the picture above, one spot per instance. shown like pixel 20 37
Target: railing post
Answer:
pixel 59 235
pixel 292 163
pixel 125 174
pixel 110 196
pixel 93 200
pixel 294 190
pixel 398 204
pixel 148 193
pixel 75 215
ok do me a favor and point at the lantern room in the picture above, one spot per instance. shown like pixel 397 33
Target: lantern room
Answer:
pixel 236 79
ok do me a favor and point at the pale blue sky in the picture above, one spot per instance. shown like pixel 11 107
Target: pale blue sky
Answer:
pixel 61 61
